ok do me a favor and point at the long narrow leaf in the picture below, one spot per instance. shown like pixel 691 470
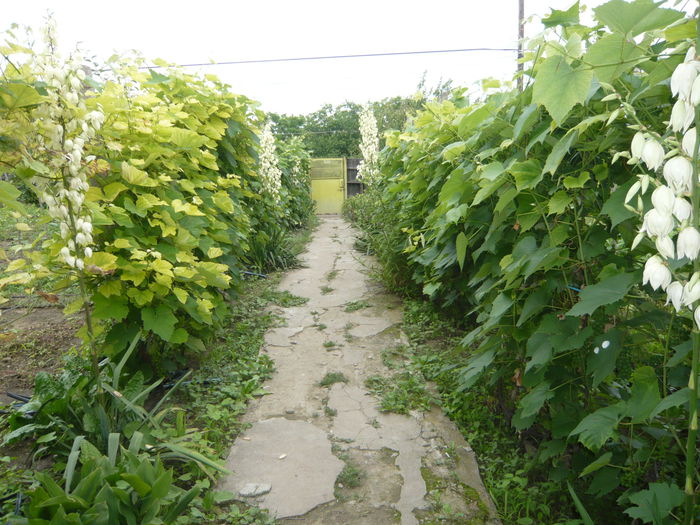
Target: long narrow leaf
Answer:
pixel 167 394
pixel 191 454
pixel 579 506
pixel 72 462
pixel 113 448
pixel 179 507
pixel 118 369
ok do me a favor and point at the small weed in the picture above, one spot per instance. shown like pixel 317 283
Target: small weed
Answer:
pixel 325 290
pixel 350 477
pixel 354 306
pixel 329 344
pixel 320 326
pixel 375 423
pixel 284 298
pixel 330 412
pixel 393 358
pixel 333 377
pixel 400 393
pixel 331 275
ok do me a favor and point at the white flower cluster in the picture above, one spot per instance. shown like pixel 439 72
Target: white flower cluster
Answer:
pixel 672 212
pixel 368 169
pixel 270 173
pixel 65 125
pixel 296 170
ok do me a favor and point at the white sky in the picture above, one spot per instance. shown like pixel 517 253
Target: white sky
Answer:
pixel 205 30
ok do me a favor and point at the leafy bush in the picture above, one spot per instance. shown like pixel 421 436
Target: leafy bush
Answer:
pixel 124 486
pixel 511 210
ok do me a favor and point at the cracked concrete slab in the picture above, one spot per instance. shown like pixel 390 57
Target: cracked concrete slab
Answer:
pixel 293 457
pixel 317 431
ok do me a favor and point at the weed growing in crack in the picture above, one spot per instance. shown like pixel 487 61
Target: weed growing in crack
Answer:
pixel 400 393
pixel 333 377
pixel 351 476
pixel 320 326
pixel 354 306
pixel 325 289
pixel 329 344
pixel 332 275
pixel 330 412
pixel 284 298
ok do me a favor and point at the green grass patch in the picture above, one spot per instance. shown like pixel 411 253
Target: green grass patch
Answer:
pixel 401 392
pixel 333 377
pixel 354 306
pixel 351 476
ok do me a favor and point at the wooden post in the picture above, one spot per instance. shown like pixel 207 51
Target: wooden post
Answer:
pixel 521 35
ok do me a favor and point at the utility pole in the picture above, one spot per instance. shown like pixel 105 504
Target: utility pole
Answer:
pixel 521 36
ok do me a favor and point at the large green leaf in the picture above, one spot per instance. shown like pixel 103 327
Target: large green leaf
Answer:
pixel 475 366
pixel 633 18
pixel 614 206
pixel 596 428
pixel 461 247
pixel 534 400
pixel 9 195
pixel 645 394
pixel 559 87
pixel 602 360
pixel 612 56
pixel 568 17
pixel 606 292
pixel 560 149
pixel 14 96
pixel 160 320
pixel 655 504
pixel 527 174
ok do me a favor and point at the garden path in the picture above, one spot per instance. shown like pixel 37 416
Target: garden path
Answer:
pixel 403 469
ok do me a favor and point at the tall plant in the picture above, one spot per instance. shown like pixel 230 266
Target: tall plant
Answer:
pixel 675 215
pixel 368 169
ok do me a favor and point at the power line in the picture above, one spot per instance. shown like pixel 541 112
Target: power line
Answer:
pixel 336 57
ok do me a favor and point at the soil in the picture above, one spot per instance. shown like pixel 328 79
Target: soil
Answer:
pixel 32 341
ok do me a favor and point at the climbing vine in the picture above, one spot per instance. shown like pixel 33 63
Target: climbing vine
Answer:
pixel 519 210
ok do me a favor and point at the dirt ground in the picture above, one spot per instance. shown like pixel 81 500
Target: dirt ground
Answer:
pixel 32 341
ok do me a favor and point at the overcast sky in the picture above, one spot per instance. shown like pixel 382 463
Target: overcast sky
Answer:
pixel 206 30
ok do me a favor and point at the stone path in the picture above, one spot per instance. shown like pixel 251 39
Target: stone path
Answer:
pixel 400 469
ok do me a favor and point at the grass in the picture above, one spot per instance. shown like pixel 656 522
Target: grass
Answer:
pixel 354 306
pixel 284 298
pixel 400 393
pixel 331 378
pixel 351 476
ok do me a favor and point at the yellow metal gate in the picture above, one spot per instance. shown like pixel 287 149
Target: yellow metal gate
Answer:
pixel 328 181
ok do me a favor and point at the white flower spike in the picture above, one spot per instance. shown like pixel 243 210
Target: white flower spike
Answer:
pixel 678 173
pixel 665 247
pixel 689 243
pixel 653 154
pixel 675 295
pixel 656 273
pixel 663 199
pixel 657 224
pixel 682 80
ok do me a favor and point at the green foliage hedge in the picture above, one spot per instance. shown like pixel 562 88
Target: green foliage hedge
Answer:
pixel 510 210
pixel 178 208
